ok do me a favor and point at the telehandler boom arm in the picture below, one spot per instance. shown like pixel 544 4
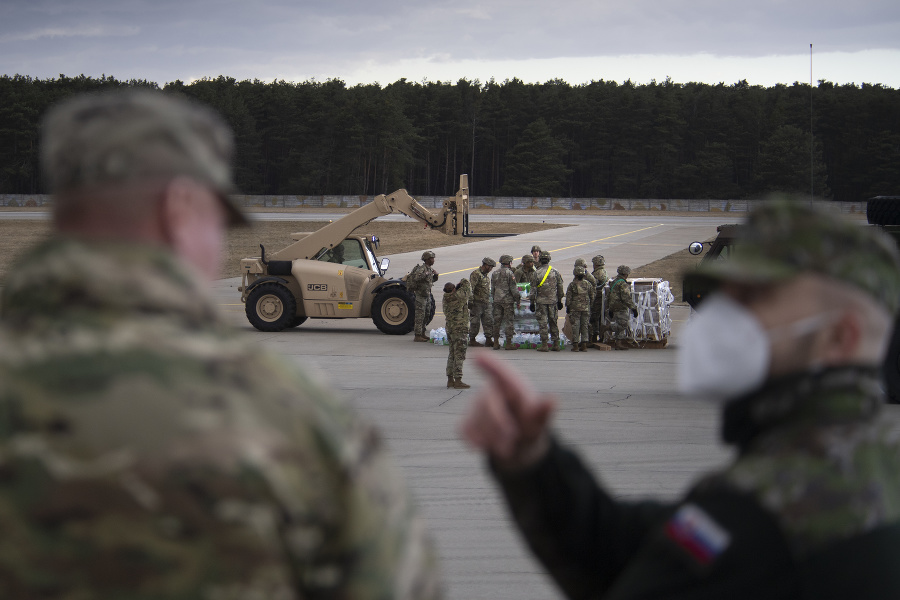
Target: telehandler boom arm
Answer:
pixel 399 201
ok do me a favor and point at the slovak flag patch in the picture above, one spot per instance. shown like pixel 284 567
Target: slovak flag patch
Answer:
pixel 697 533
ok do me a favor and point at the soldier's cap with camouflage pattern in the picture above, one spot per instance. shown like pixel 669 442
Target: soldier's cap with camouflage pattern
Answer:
pixel 506 259
pixel 121 136
pixel 579 270
pixel 781 240
pixel 535 248
pixel 624 270
pixel 528 258
pixel 545 256
pixel 580 262
pixel 489 261
pixel 427 254
pixel 598 260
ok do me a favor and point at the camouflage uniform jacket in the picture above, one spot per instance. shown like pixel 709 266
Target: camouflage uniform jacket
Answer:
pixel 809 509
pixel 505 289
pixel 524 275
pixel 420 279
pixel 590 278
pixel 147 451
pixel 600 277
pixel 551 291
pixel 456 308
pixel 579 295
pixel 481 286
pixel 620 296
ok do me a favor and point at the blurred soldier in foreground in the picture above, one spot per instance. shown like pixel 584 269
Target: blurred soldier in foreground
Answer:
pixel 456 313
pixel 147 451
pixel 579 297
pixel 419 282
pixel 525 270
pixel 791 348
pixel 601 278
pixel 506 299
pixel 546 299
pixel 480 302
pixel 620 305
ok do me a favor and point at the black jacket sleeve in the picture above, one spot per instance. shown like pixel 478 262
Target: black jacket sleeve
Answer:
pixel 597 547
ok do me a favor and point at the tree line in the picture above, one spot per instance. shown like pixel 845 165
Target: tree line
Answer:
pixel 600 139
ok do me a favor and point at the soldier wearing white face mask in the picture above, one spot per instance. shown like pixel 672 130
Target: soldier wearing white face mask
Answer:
pixel 791 347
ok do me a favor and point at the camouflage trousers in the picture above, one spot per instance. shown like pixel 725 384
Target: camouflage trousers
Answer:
pixel 594 327
pixel 618 327
pixel 504 313
pixel 457 354
pixel 423 303
pixel 547 316
pixel 480 314
pixel 580 321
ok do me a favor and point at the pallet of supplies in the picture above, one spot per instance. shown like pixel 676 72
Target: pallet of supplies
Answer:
pixel 653 324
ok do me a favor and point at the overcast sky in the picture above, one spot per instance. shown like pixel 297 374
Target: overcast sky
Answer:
pixel 363 41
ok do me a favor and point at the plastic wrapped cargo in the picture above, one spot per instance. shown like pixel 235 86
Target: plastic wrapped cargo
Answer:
pixel 653 323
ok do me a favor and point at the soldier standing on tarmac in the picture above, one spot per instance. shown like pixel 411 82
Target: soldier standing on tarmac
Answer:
pixel 546 299
pixel 525 270
pixel 601 278
pixel 536 253
pixel 620 305
pixel 456 313
pixel 506 299
pixel 480 304
pixel 579 298
pixel 419 282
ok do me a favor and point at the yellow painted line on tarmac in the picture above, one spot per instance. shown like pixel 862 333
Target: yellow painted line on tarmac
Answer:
pixel 575 245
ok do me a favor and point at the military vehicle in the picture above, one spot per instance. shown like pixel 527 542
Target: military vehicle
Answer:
pixel 334 274
pixel 719 249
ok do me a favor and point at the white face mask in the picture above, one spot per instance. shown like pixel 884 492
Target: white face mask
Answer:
pixel 725 353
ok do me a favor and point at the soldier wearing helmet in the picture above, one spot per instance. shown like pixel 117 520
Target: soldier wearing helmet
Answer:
pixel 525 270
pixel 620 307
pixel 536 253
pixel 480 313
pixel 601 278
pixel 506 299
pixel 580 262
pixel 579 297
pixel 419 282
pixel 545 299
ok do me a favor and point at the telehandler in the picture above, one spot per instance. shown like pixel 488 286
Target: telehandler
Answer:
pixel 333 274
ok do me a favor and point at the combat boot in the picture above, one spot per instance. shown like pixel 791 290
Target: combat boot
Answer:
pixel 488 342
pixel 574 346
pixel 449 381
pixel 582 347
pixel 420 338
pixel 459 385
pixel 496 343
pixel 554 347
pixel 543 347
pixel 620 345
pixel 509 346
pixel 473 343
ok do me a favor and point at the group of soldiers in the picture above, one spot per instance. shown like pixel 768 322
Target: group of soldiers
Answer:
pixel 489 303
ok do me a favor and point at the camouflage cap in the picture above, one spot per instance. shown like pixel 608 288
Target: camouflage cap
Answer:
pixel 579 270
pixel 506 259
pixel 781 240
pixel 489 261
pixel 545 256
pixel 623 270
pixel 121 136
pixel 528 259
pixel 598 260
pixel 535 248
pixel 427 254
pixel 580 262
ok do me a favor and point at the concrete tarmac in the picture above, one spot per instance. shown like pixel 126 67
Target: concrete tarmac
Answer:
pixel 618 408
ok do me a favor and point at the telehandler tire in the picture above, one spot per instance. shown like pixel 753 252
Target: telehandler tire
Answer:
pixel 298 321
pixel 393 311
pixel 271 307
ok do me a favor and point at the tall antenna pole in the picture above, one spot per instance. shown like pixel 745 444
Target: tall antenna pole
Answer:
pixel 811 171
